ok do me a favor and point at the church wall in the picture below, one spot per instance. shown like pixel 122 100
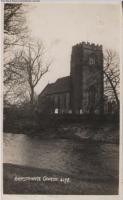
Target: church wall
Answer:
pixel 76 78
pixel 92 76
pixel 60 101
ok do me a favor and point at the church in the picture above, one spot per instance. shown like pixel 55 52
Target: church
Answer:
pixel 82 91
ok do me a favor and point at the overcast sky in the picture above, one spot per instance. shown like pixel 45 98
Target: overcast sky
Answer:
pixel 62 25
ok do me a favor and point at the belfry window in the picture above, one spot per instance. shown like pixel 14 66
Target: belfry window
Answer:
pixel 91 60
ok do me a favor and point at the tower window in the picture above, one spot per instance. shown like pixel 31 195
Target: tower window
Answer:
pixel 91 61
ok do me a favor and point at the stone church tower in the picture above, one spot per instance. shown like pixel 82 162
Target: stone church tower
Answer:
pixel 87 78
pixel 82 91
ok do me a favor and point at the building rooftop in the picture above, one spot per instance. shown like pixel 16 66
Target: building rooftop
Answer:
pixel 60 86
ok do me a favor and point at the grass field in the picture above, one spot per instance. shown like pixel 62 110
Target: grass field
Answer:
pixel 84 186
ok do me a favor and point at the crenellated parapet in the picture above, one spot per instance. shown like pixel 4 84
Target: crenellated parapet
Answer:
pixel 87 45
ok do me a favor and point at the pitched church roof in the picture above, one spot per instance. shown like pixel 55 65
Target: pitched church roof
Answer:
pixel 60 86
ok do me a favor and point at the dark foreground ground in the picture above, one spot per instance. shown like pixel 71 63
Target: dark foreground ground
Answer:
pixel 96 169
pixel 51 182
pixel 88 171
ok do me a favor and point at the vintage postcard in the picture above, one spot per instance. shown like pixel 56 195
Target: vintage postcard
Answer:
pixel 61 99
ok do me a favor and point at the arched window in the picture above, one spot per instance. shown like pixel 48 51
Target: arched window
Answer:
pixel 92 60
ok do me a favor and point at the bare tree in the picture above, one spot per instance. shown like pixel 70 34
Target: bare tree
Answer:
pixel 15 33
pixel 111 75
pixel 33 61
pixel 14 24
pixel 27 69
pixel 14 82
pixel 23 66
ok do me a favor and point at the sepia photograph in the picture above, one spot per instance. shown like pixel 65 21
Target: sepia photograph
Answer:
pixel 61 98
